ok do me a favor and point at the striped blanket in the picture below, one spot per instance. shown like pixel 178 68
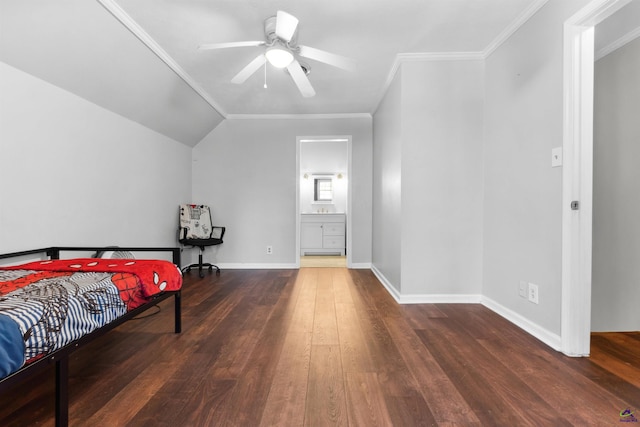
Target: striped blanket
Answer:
pixel 46 305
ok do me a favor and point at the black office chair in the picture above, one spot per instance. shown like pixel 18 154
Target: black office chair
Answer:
pixel 196 230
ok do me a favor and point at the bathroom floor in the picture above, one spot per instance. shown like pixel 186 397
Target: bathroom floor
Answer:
pixel 323 261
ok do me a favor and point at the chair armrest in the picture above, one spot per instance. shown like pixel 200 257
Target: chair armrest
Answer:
pixel 217 232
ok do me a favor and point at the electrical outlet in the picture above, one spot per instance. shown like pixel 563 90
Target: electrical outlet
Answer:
pixel 522 289
pixel 269 250
pixel 533 293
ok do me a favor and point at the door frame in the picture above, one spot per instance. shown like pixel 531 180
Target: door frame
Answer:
pixel 577 176
pixel 348 140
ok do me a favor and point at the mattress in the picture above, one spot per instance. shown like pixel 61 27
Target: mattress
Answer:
pixel 46 305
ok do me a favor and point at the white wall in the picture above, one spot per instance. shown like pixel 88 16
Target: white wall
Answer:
pixel 73 173
pixel 387 185
pixel 442 177
pixel 428 166
pixel 523 194
pixel 616 205
pixel 246 170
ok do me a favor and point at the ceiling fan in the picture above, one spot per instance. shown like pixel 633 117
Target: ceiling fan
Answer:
pixel 281 34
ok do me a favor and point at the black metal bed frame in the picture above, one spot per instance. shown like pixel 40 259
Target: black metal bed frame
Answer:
pixel 60 357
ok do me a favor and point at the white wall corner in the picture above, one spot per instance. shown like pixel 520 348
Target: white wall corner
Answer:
pixel 547 337
pixel 540 333
pixel 425 298
pixel 388 286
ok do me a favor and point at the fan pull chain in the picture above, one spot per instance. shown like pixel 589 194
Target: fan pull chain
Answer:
pixel 265 75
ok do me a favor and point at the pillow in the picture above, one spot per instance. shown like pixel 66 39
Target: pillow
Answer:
pixel 116 254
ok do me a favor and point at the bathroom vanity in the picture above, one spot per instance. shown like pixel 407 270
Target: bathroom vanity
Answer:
pixel 322 234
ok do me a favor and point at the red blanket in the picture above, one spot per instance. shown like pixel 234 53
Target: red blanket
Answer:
pixel 155 275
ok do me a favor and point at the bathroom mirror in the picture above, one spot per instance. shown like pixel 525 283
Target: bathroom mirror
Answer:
pixel 322 189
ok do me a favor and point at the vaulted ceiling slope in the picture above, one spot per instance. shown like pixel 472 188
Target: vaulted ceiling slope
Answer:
pixel 79 46
pixel 140 58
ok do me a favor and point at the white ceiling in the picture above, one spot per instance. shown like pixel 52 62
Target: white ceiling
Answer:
pixel 139 58
pixel 372 32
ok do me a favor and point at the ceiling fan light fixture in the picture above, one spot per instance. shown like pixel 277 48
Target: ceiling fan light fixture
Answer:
pixel 278 56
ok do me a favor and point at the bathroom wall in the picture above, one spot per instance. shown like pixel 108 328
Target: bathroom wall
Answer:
pixel 323 159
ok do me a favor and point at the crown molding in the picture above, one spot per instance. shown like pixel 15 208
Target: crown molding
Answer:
pixel 297 116
pixel 439 56
pixel 513 27
pixel 617 44
pixel 112 7
pixel 123 17
pixel 422 57
pixel 459 56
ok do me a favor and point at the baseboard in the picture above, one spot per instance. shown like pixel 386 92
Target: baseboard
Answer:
pixel 256 266
pixel 425 298
pixel 387 285
pixel 549 338
pixel 283 266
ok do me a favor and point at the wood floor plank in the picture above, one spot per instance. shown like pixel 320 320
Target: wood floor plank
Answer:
pixel 326 402
pixel 353 345
pixel 256 379
pixel 392 371
pixel 367 406
pixel 286 402
pixel 493 391
pixel 559 393
pixel 125 405
pixel 325 328
pixel 201 408
pixel 236 350
pixel 419 315
pixel 617 385
pixel 412 411
pixel 444 401
pixel 616 353
pixel 305 304
pixel 341 284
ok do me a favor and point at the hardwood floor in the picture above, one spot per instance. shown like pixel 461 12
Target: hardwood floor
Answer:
pixel 323 261
pixel 329 346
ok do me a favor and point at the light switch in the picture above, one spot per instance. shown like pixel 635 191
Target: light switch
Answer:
pixel 556 157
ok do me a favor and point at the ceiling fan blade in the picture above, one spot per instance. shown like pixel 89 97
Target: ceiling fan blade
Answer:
pixel 286 25
pixel 251 68
pixel 300 79
pixel 230 44
pixel 343 62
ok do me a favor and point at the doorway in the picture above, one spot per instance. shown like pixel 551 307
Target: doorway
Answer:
pixel 323 201
pixel 577 175
pixel 616 232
